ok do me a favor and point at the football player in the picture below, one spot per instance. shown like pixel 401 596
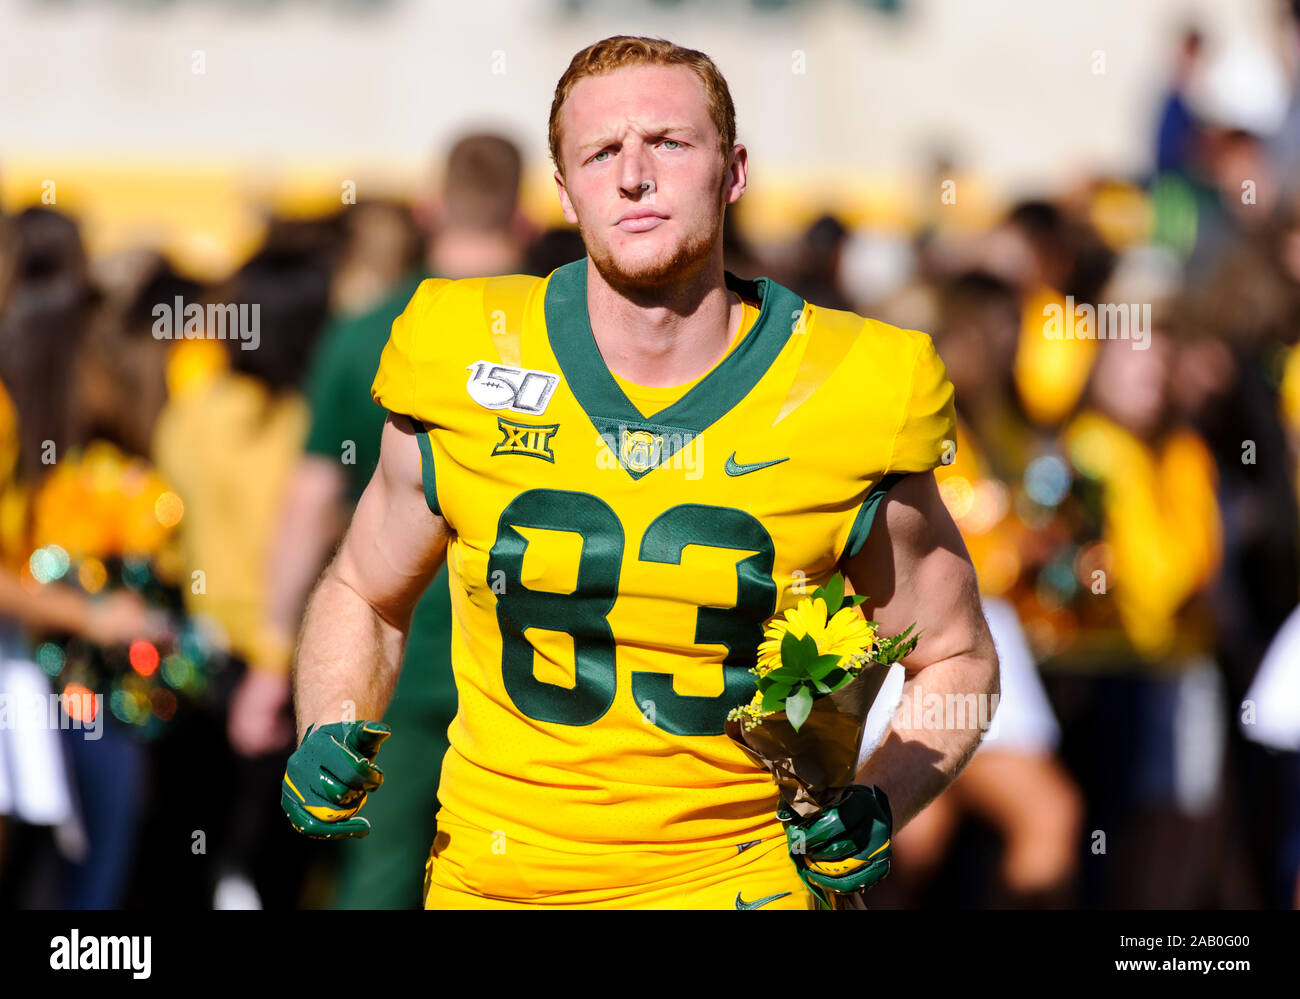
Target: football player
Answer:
pixel 629 466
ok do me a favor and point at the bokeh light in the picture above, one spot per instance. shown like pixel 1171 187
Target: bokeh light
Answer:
pixel 144 657
pixel 169 509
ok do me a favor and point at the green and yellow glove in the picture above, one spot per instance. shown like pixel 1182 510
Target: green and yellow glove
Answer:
pixel 845 848
pixel 328 777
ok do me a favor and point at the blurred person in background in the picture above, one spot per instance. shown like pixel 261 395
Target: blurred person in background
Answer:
pixel 382 246
pixel 477 234
pixel 1177 140
pixel 46 302
pixel 1241 98
pixel 1056 263
pixel 97 590
pixel 477 227
pixel 554 248
pixel 43 288
pixel 1122 604
pixel 1239 382
pixel 1237 374
pixel 816 276
pixel 230 446
pixel 1284 148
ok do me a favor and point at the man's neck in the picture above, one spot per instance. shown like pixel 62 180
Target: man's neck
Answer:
pixel 462 253
pixel 668 340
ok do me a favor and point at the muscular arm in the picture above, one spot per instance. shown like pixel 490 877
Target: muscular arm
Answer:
pixel 357 619
pixel 914 567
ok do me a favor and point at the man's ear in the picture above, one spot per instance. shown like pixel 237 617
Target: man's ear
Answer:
pixel 736 177
pixel 566 205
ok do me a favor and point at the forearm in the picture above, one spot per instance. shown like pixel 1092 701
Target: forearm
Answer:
pixel 354 633
pixel 297 562
pixel 54 607
pixel 923 753
pixel 348 658
pixel 310 526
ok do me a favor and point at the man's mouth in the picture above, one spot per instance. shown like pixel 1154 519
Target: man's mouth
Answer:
pixel 641 221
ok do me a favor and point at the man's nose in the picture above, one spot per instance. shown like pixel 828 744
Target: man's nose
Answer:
pixel 635 170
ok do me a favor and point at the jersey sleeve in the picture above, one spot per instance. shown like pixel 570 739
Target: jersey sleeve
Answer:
pixel 925 434
pixel 413 348
pixel 927 429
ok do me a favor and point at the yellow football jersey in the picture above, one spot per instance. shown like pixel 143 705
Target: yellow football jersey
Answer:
pixel 611 572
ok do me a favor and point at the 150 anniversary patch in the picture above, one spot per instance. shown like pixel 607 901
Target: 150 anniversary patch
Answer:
pixel 501 386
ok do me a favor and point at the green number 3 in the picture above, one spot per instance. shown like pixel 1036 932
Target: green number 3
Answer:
pixel 583 614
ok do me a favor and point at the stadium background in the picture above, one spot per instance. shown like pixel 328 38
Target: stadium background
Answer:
pixel 944 165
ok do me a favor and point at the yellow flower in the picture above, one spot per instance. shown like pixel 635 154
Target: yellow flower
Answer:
pixel 845 635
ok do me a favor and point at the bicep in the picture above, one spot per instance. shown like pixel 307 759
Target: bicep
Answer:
pixel 395 543
pixel 914 568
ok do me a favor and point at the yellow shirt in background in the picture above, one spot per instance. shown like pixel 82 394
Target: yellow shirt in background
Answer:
pixel 1051 371
pixel 1161 521
pixel 228 448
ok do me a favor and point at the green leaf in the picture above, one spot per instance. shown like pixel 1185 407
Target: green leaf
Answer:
pixel 891 650
pixel 834 595
pixel 798 707
pixel 854 600
pixel 821 687
pixel 798 652
pixel 822 665
pixel 790 672
pixel 774 697
pixel 837 679
pixel 819 593
pixel 789 649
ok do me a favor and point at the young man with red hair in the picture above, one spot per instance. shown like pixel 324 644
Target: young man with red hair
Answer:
pixel 629 466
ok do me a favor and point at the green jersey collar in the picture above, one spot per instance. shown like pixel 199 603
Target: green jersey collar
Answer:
pixel 568 325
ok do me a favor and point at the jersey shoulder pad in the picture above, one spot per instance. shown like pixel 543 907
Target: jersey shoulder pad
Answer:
pixel 413 345
pixel 446 327
pixel 905 364
pixel 904 403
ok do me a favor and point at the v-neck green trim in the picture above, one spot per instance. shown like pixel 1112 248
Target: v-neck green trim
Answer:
pixel 568 326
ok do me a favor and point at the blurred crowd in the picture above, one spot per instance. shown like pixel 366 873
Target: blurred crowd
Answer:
pixel 1127 377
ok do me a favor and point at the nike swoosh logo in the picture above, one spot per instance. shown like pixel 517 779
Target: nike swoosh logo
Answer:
pixel 735 468
pixel 742 847
pixel 757 903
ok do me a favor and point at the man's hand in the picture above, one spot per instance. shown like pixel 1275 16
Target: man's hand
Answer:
pixel 328 777
pixel 121 617
pixel 845 848
pixel 259 722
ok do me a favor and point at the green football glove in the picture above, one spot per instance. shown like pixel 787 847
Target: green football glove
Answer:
pixel 328 776
pixel 845 848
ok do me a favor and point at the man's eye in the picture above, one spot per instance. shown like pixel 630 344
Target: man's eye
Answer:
pixel 671 142
pixel 597 157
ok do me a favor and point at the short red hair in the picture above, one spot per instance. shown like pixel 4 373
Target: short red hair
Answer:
pixel 618 51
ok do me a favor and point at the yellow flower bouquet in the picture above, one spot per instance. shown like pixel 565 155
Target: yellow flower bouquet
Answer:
pixel 820 668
